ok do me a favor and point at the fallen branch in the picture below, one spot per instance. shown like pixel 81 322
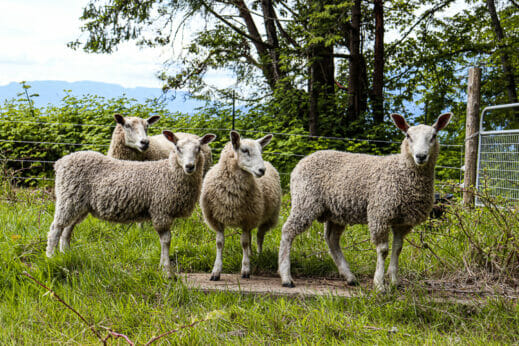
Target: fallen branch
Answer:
pixel 116 335
pixel 58 298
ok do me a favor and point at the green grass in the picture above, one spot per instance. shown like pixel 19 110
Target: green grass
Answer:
pixel 111 277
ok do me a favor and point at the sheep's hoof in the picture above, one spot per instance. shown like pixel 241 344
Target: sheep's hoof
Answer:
pixel 215 277
pixel 289 284
pixel 353 283
pixel 245 276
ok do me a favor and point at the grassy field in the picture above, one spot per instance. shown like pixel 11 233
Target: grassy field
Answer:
pixel 111 278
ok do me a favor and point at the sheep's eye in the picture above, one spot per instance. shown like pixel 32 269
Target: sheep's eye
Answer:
pixel 198 149
pixel 245 151
pixel 408 137
pixel 127 126
pixel 433 137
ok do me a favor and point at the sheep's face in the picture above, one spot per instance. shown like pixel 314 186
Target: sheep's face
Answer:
pixel 188 149
pixel 248 153
pixel 135 131
pixel 421 139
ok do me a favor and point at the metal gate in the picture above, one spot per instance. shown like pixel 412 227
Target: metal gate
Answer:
pixel 498 160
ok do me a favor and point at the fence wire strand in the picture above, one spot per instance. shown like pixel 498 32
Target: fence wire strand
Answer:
pixel 178 129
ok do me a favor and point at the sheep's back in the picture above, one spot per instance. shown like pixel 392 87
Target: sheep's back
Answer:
pixel 337 183
pixel 347 187
pixel 125 191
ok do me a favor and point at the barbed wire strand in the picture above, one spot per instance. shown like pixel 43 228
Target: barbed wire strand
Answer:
pixel 31 160
pixel 228 129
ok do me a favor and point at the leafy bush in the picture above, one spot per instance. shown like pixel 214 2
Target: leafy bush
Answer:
pixel 32 139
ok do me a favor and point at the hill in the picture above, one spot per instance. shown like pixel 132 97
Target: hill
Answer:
pixel 52 92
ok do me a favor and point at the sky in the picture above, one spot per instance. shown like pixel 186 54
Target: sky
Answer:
pixel 34 36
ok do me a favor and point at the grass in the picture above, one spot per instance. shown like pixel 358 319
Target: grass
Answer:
pixel 111 277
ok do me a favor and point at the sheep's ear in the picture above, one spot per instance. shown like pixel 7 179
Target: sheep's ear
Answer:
pixel 265 140
pixel 170 136
pixel 119 118
pixel 442 121
pixel 153 119
pixel 400 122
pixel 208 138
pixel 235 139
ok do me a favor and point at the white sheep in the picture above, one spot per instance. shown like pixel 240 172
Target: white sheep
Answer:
pixel 130 141
pixel 128 191
pixel 385 192
pixel 241 191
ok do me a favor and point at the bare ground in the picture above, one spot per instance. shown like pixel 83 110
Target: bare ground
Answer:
pixel 439 290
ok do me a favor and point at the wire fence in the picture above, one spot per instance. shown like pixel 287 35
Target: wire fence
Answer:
pixel 32 163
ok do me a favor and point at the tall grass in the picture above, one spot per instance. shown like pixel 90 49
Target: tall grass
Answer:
pixel 111 277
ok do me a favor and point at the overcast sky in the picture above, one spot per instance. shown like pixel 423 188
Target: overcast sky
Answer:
pixel 34 36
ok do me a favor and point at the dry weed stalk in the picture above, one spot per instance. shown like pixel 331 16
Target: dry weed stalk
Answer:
pixel 114 334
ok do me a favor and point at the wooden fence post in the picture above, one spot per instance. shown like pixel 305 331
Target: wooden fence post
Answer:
pixel 471 135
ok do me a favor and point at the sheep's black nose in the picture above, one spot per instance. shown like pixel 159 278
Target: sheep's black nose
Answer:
pixel 261 171
pixel 145 143
pixel 190 167
pixel 421 158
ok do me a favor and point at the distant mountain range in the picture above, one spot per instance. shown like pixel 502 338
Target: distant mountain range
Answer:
pixel 52 92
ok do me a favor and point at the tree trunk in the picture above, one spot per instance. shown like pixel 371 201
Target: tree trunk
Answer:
pixel 378 71
pixel 272 39
pixel 321 86
pixel 505 60
pixel 357 82
pixel 267 65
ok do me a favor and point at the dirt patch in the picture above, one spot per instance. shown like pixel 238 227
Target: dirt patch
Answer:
pixel 311 287
pixel 269 285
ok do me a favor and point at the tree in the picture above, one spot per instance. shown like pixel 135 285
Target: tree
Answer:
pixel 377 95
pixel 505 60
pixel 290 54
pixel 296 44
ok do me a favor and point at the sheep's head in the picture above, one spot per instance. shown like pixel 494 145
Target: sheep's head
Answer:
pixel 421 139
pixel 136 130
pixel 188 149
pixel 248 153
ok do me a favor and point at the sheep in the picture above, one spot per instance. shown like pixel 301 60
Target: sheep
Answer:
pixel 241 191
pixel 131 142
pixel 127 191
pixel 341 189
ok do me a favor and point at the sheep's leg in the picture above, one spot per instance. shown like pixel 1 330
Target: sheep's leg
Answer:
pixel 333 235
pixel 245 245
pixel 379 230
pixel 382 250
pixel 165 241
pixel 64 240
pixel 378 279
pixel 398 240
pixel 218 263
pixel 296 224
pixel 65 215
pixel 249 248
pixel 53 237
pixel 262 229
